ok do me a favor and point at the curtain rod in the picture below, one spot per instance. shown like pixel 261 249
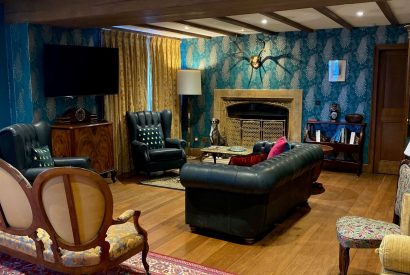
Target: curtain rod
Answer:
pixel 139 32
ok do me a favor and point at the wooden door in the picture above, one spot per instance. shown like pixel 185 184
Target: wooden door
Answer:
pixel 389 119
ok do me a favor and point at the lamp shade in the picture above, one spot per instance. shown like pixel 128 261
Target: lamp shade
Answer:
pixel 189 82
pixel 407 151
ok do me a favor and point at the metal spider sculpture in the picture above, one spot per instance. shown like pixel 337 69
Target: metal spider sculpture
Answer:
pixel 257 61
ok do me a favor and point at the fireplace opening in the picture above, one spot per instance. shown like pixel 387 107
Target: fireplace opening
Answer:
pixel 256 110
pixel 248 122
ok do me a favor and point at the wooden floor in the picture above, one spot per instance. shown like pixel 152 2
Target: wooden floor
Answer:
pixel 305 243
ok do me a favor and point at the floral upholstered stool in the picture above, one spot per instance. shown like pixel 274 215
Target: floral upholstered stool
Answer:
pixel 359 232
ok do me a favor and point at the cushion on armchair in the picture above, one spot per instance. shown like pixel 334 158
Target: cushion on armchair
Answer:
pixel 42 157
pixel 166 154
pixel 360 232
pixel 394 253
pixel 151 136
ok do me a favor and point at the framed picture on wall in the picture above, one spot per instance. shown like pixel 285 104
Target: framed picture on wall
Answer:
pixel 337 70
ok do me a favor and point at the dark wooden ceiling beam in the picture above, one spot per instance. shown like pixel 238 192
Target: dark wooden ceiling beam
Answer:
pixel 159 28
pixel 385 8
pixel 286 21
pixel 330 14
pixel 106 13
pixel 207 28
pixel 244 25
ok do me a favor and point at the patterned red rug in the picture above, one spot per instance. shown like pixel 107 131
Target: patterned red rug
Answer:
pixel 159 264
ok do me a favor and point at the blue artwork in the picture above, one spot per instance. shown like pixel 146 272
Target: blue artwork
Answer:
pixel 306 66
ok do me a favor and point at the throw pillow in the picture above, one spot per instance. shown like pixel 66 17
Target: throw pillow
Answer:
pixel 42 157
pixel 280 146
pixel 247 160
pixel 151 136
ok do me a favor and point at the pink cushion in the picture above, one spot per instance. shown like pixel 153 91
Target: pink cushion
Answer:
pixel 280 146
pixel 247 160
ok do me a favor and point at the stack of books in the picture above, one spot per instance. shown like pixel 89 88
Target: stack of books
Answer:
pixel 343 135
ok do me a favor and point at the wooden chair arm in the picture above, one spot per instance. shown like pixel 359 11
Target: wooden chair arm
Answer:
pixel 138 227
pixel 124 217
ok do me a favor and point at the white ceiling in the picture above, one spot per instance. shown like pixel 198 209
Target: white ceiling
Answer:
pixel 373 16
pixel 309 17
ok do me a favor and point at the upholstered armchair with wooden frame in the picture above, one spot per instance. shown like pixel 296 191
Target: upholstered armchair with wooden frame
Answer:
pixel 66 219
pixel 394 250
pixel 19 219
pixel 152 147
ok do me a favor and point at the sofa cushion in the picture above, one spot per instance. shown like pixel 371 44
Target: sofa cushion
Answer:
pixel 151 136
pixel 280 146
pixel 247 160
pixel 42 157
pixel 166 154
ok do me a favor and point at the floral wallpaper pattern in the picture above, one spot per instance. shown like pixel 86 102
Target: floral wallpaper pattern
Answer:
pixel 18 71
pixel 306 69
pixel 48 108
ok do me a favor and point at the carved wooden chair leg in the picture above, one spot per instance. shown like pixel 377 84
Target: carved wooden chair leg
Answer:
pixel 344 259
pixel 144 258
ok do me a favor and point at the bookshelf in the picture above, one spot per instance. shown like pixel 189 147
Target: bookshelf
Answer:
pixel 347 140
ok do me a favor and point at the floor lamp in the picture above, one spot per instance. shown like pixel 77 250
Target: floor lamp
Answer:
pixel 189 83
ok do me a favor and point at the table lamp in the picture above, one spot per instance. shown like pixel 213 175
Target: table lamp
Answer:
pixel 189 83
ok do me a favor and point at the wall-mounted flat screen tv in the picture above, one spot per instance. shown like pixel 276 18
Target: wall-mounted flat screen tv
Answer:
pixel 79 71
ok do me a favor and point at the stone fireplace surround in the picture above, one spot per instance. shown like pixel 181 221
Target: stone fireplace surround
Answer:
pixel 288 98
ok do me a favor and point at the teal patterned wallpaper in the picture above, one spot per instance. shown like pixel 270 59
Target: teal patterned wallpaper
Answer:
pixel 50 107
pixel 18 70
pixel 5 112
pixel 24 55
pixel 306 69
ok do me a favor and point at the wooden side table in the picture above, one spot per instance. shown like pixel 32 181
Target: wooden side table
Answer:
pixel 94 140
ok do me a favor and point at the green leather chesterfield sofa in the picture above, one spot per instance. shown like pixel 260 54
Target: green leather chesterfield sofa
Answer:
pixel 247 201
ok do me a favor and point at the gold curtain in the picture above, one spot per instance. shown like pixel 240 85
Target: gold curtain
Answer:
pixel 165 61
pixel 132 94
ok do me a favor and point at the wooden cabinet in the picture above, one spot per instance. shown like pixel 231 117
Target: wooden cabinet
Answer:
pixel 347 154
pixel 94 140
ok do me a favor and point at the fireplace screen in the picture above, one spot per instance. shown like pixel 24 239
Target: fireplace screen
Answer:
pixel 248 122
pixel 246 132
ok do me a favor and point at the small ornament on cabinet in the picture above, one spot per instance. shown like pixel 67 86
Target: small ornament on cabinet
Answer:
pixel 334 111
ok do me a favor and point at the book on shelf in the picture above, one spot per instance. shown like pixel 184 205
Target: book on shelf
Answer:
pixel 343 135
pixel 352 138
pixel 317 135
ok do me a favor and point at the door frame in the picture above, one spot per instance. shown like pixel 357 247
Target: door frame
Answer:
pixel 372 142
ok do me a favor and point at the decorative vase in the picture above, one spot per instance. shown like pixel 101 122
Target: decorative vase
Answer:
pixel 354 118
pixel 334 112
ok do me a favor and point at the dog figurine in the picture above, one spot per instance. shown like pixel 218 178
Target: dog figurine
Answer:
pixel 215 136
